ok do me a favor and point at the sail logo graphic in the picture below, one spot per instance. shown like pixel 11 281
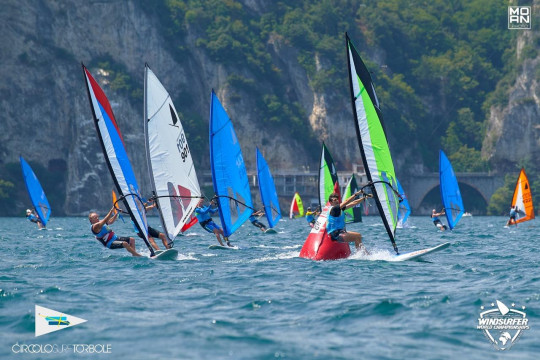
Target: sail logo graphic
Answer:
pixel 501 325
pixel 48 320
pixel 519 17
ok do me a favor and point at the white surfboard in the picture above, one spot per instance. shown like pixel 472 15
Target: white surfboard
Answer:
pixel 219 247
pixel 169 254
pixel 270 231
pixel 418 253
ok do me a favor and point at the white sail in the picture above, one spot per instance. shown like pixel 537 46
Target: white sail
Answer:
pixel 173 176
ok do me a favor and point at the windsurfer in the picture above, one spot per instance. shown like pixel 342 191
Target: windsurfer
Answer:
pixel 336 220
pixel 254 218
pixel 33 217
pixel 513 215
pixel 203 214
pixel 310 216
pixel 106 236
pixel 436 221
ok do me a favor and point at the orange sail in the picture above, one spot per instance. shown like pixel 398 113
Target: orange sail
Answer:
pixel 114 200
pixel 523 199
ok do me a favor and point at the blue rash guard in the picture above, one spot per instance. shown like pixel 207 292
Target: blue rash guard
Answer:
pixel 33 218
pixel 105 236
pixel 203 213
pixel 336 222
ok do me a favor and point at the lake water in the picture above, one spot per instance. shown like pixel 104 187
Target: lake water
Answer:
pixel 262 301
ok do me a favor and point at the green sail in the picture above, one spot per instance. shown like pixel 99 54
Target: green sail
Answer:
pixel 353 214
pixel 372 141
pixel 328 178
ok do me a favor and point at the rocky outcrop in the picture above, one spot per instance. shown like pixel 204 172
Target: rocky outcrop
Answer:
pixel 47 119
pixel 513 130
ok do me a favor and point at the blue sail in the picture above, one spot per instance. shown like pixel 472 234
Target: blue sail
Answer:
pixel 450 194
pixel 404 209
pixel 36 193
pixel 229 175
pixel 268 192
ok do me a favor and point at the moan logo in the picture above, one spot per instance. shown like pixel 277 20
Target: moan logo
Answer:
pixel 519 17
pixel 501 325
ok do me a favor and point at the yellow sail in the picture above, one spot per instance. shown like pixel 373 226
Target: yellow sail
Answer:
pixel 523 199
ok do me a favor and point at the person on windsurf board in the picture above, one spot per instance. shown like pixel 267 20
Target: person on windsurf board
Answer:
pixel 311 216
pixel 203 214
pixel 106 236
pixel 336 220
pixel 436 221
pixel 254 218
pixel 33 217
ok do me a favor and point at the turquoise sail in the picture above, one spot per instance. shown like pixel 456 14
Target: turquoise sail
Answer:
pixel 450 194
pixel 268 192
pixel 36 193
pixel 404 209
pixel 229 175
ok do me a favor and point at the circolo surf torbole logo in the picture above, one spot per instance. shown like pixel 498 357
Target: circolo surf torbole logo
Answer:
pixel 48 320
pixel 502 325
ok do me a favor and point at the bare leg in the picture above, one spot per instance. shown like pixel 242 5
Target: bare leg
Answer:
pixel 216 232
pixel 164 240
pixel 131 247
pixel 357 239
pixel 153 243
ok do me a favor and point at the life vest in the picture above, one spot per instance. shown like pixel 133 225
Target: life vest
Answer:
pixel 105 235
pixel 335 223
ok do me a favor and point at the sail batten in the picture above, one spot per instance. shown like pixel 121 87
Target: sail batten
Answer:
pixel 172 172
pixel 372 141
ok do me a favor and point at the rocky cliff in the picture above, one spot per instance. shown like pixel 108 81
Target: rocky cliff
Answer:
pixel 513 129
pixel 46 117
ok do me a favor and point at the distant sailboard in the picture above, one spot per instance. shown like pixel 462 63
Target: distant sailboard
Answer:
pixel 297 208
pixel 404 209
pixel 36 193
pixel 267 190
pixel 354 214
pixel 522 199
pixel 229 176
pixel 450 194
pixel 328 177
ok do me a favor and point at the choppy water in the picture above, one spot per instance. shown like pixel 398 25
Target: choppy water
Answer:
pixel 262 301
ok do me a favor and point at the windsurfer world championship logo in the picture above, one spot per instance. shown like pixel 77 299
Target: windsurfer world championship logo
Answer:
pixel 501 325
pixel 519 17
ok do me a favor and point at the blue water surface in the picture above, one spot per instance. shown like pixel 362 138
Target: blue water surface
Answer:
pixel 262 301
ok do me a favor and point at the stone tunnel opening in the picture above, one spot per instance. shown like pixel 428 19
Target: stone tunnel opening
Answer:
pixel 473 201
